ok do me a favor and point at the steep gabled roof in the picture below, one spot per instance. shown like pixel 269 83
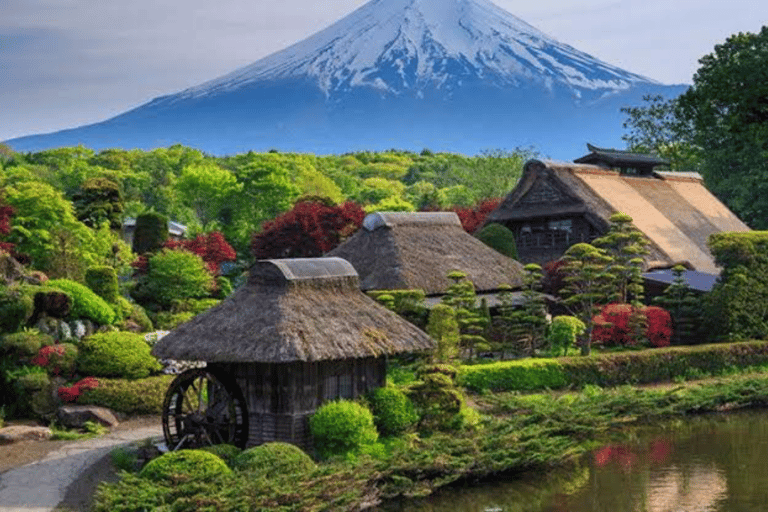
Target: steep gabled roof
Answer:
pixel 308 309
pixel 418 250
pixel 674 210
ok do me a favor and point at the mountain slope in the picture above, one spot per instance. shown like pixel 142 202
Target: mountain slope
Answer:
pixel 457 75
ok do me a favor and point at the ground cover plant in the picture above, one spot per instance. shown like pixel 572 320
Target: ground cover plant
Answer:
pixel 517 433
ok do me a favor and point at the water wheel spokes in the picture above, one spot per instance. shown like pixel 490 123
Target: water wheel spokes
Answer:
pixel 202 408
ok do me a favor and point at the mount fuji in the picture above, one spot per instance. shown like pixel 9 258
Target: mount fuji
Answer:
pixel 448 75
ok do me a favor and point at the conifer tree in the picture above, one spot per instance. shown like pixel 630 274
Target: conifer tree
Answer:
pixel 683 305
pixel 627 246
pixel 589 284
pixel 462 298
pixel 524 327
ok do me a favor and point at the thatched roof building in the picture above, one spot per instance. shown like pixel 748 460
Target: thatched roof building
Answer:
pixel 294 310
pixel 557 204
pixel 417 250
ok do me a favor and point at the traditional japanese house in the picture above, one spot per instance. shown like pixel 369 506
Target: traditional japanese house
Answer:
pixel 298 333
pixel 558 204
pixel 417 250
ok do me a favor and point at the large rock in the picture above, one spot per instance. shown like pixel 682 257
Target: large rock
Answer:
pixel 17 433
pixel 75 416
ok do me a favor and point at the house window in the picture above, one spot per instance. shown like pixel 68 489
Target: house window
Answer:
pixel 337 386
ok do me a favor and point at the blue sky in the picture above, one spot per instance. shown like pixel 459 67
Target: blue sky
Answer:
pixel 64 63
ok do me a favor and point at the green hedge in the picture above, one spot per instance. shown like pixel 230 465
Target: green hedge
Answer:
pixel 116 354
pixel 658 365
pixel 131 397
pixel 85 303
pixel 103 281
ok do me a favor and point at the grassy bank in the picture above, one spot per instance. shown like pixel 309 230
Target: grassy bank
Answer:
pixel 518 433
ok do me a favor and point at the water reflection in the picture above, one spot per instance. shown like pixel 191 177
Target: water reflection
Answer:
pixel 704 464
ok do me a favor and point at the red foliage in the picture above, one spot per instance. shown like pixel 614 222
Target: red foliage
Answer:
pixel 659 330
pixel 612 325
pixel 310 229
pixel 554 277
pixel 213 248
pixel 474 217
pixel 6 212
pixel 73 392
pixel 49 357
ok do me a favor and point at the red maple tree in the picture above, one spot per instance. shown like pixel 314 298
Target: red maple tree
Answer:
pixel 213 248
pixel 6 212
pixel 310 229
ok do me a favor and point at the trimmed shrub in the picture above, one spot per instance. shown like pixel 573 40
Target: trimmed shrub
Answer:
pixel 659 326
pixel 194 306
pixel 103 281
pixel 168 321
pixel 499 238
pixel 116 354
pixel 438 400
pixel 25 344
pixel 138 316
pixel 85 303
pixel 342 426
pixel 186 465
pixel 643 367
pixel 563 333
pixel 226 452
pixel 57 359
pixel 174 275
pixel 520 375
pixel 274 459
pixel 393 411
pixel 16 308
pixel 151 232
pixel 131 397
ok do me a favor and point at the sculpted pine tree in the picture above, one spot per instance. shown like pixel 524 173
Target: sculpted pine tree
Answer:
pixel 524 327
pixel 626 245
pixel 589 284
pixel 462 298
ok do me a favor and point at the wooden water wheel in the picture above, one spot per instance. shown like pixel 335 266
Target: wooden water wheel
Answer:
pixel 202 408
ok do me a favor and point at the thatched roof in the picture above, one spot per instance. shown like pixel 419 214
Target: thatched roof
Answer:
pixel 417 250
pixel 618 159
pixel 674 210
pixel 294 310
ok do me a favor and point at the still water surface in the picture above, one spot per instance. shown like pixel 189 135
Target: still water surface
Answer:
pixel 715 463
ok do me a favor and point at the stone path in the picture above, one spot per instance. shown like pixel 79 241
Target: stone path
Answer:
pixel 42 485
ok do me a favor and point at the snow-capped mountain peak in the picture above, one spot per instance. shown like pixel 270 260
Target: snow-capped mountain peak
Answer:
pixel 397 46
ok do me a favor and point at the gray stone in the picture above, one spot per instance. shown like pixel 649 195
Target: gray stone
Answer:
pixel 75 416
pixel 17 433
pixel 78 329
pixel 65 333
pixel 43 325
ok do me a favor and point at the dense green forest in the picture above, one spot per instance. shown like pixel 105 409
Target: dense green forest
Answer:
pixel 68 203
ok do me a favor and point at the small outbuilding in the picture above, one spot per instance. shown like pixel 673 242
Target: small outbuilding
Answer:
pixel 396 250
pixel 297 334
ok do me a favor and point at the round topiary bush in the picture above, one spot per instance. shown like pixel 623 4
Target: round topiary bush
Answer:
pixel 499 238
pixel 174 275
pixel 188 464
pixel 85 303
pixel 103 281
pixel 24 344
pixel 393 411
pixel 342 426
pixel 274 458
pixel 116 354
pixel 226 452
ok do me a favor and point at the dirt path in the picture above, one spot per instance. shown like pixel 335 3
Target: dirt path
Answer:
pixel 41 476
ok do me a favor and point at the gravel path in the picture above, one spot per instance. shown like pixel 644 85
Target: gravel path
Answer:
pixel 42 485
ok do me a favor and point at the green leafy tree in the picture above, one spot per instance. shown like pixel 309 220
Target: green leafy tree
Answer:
pixel 626 245
pixel 97 201
pixel 207 189
pixel 173 275
pixel 657 128
pixel 727 107
pixel 589 284
pixel 563 333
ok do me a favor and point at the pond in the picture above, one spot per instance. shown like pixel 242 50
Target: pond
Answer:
pixel 713 463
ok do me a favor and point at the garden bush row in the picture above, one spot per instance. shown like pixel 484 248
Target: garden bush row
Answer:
pixel 642 367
